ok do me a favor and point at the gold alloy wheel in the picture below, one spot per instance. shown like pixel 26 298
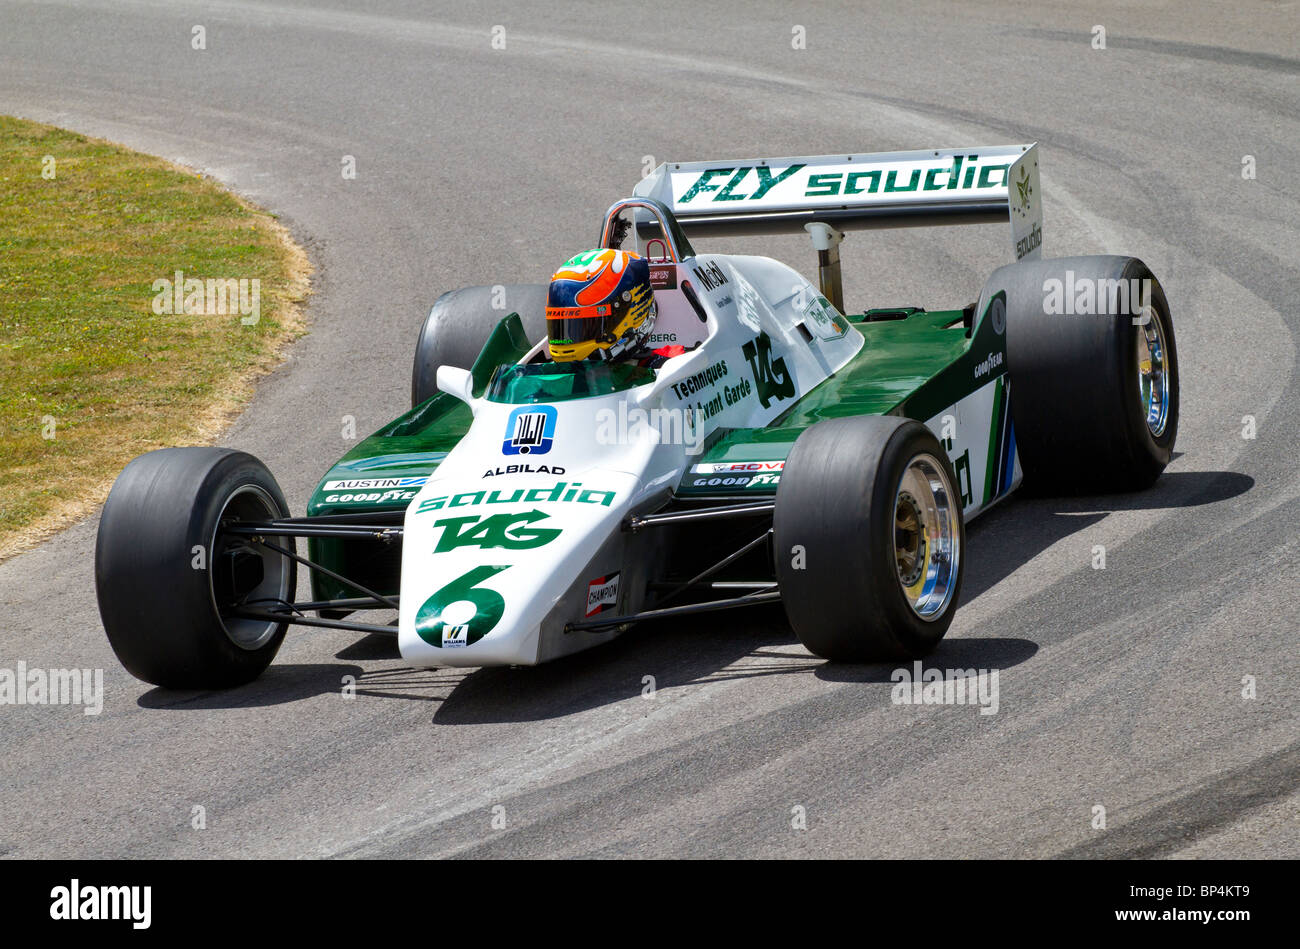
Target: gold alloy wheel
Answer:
pixel 1153 377
pixel 927 536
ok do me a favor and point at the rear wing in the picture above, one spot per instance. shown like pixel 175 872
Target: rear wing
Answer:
pixel 842 192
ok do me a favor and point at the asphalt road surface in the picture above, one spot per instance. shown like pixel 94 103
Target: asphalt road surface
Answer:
pixel 1119 688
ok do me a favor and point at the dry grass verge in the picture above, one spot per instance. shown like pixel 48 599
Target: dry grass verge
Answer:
pixel 91 374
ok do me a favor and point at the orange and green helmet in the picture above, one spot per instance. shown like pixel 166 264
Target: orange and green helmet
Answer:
pixel 600 306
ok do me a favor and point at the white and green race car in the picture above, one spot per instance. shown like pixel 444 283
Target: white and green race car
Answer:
pixel 791 453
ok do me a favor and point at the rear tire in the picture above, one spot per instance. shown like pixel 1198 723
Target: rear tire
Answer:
pixel 163 579
pixel 460 322
pixel 1079 396
pixel 859 581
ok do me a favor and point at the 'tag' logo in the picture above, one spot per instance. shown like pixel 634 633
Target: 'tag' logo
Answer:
pixel 771 378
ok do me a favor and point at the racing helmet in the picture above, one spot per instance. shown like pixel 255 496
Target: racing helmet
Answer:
pixel 600 305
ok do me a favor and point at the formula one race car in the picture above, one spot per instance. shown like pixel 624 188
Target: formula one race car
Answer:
pixel 788 452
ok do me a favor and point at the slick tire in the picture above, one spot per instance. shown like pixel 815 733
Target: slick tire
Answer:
pixel 868 539
pixel 166 579
pixel 459 323
pixel 1094 396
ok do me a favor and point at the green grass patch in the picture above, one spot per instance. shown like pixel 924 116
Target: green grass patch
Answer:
pixel 90 374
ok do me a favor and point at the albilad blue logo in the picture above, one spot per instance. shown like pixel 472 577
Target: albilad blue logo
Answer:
pixel 530 430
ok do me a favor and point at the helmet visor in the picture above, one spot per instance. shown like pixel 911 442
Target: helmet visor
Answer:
pixel 567 326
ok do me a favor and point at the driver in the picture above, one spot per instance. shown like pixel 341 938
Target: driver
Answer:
pixel 601 306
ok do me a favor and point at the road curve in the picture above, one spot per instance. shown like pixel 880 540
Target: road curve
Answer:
pixel 1120 688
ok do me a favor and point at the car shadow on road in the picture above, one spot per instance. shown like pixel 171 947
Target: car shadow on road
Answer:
pixel 278 685
pixel 370 646
pixel 991 653
pixel 676 653
pixel 1174 489
pixel 1019 529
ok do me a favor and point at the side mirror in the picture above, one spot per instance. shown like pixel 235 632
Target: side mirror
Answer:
pixel 458 382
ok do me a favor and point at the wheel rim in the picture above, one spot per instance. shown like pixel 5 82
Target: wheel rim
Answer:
pixel 927 545
pixel 247 503
pixel 1153 375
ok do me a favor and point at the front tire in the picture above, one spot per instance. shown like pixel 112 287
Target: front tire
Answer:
pixel 869 539
pixel 166 580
